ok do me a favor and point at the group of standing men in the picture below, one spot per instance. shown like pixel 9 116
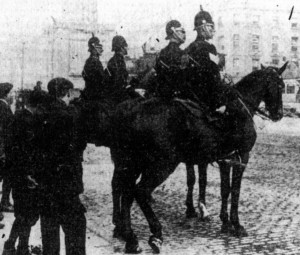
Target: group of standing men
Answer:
pixel 43 143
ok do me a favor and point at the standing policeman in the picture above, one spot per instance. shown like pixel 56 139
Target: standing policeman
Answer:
pixel 62 179
pixel 25 158
pixel 6 120
pixel 116 72
pixel 169 63
pixel 93 73
pixel 203 72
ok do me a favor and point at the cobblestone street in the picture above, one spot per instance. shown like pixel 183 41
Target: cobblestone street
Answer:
pixel 269 205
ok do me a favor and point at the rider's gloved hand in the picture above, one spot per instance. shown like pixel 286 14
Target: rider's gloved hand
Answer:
pixel 221 109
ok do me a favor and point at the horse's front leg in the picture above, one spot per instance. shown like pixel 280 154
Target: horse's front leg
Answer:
pixel 191 179
pixel 237 175
pixel 202 169
pixel 225 192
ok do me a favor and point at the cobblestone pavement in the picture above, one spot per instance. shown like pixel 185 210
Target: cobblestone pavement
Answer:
pixel 269 206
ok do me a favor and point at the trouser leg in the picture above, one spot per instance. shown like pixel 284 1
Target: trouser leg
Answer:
pixel 50 235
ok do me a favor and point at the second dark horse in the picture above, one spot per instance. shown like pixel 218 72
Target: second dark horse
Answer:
pixel 151 138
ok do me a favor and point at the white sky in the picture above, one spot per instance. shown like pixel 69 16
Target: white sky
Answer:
pixel 27 17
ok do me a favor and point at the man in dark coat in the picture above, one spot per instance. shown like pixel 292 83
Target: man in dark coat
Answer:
pixel 204 74
pixel 116 75
pixel 26 167
pixel 6 120
pixel 61 182
pixel 93 73
pixel 170 73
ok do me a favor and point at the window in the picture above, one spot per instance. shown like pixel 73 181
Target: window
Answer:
pixel 294 25
pixel 255 42
pixel 236 19
pixel 255 64
pixel 220 23
pixel 275 61
pixel 275 43
pixel 290 89
pixel 255 19
pixel 236 41
pixel 294 47
pixel 221 42
pixel 275 21
pixel 236 63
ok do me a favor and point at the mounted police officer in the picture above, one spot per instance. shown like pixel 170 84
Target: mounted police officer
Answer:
pixel 116 72
pixel 26 167
pixel 62 179
pixel 203 72
pixel 93 73
pixel 6 120
pixel 169 67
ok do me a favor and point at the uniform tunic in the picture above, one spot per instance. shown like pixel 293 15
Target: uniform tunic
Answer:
pixel 116 78
pixel 25 161
pixel 93 76
pixel 204 74
pixel 169 73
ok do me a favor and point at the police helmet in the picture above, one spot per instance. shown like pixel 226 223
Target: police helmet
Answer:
pixel 118 42
pixel 59 87
pixel 202 18
pixel 171 24
pixel 5 88
pixel 93 41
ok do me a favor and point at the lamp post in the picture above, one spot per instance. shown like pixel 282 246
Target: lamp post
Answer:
pixel 22 65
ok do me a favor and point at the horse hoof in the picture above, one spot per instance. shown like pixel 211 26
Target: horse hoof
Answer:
pixel 119 234
pixel 227 228
pixel 240 231
pixel 206 219
pixel 155 243
pixel 134 249
pixel 191 214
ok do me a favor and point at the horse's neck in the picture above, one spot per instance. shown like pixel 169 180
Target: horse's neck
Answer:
pixel 251 92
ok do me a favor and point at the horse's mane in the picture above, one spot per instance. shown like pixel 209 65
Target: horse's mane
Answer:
pixel 248 80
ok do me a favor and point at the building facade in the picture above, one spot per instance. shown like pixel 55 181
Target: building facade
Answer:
pixel 251 34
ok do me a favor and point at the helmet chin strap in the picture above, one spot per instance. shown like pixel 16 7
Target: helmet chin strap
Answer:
pixel 176 36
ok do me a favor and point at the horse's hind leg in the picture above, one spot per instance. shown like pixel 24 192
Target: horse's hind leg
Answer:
pixel 151 179
pixel 191 179
pixel 117 186
pixel 202 169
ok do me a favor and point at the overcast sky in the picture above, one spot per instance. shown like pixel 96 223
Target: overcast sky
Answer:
pixel 27 17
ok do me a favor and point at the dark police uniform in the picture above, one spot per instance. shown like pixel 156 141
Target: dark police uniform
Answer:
pixel 6 120
pixel 116 78
pixel 93 75
pixel 169 72
pixel 61 182
pixel 25 159
pixel 204 74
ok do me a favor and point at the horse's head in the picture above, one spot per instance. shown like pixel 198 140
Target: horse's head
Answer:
pixel 273 85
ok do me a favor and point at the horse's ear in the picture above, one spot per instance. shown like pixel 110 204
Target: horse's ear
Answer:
pixel 262 67
pixel 281 70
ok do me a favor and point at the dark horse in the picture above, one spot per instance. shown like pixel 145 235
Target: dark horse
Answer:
pixel 151 138
pixel 224 171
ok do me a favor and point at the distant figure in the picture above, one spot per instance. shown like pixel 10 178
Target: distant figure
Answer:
pixel 93 73
pixel 6 121
pixel 38 86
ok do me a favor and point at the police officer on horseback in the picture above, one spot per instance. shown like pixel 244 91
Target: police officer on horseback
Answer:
pixel 93 73
pixel 116 73
pixel 204 74
pixel 169 62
